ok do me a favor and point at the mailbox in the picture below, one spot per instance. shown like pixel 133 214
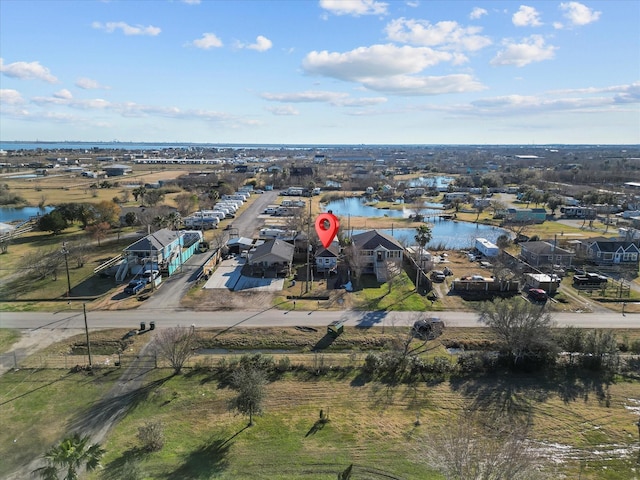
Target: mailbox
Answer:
pixel 335 328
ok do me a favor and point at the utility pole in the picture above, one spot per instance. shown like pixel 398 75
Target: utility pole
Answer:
pixel 308 245
pixel 65 252
pixel 86 331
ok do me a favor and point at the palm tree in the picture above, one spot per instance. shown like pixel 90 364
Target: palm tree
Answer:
pixel 423 236
pixel 73 453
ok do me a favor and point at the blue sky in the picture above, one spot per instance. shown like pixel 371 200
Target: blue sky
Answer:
pixel 321 72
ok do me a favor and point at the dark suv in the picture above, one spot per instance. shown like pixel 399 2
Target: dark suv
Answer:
pixel 135 286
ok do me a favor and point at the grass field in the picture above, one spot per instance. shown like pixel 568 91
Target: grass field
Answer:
pixel 582 422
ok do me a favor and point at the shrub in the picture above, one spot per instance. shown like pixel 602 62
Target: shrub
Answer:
pixel 151 435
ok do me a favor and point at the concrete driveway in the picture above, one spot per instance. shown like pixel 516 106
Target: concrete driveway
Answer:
pixel 228 275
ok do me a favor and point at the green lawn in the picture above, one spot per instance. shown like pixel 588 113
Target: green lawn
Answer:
pixel 372 423
pixel 38 407
pixel 7 338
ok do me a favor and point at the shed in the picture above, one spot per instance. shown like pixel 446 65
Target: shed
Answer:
pixel 487 248
pixel 542 281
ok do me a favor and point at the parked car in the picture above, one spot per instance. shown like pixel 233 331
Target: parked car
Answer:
pixel 150 275
pixel 135 286
pixel 258 191
pixel 428 329
pixel 437 276
pixel 538 295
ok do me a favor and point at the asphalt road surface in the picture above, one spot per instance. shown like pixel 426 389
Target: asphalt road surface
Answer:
pixel 271 317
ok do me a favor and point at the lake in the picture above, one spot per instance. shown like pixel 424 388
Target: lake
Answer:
pixel 450 233
pixel 14 214
pixel 356 207
pixel 453 234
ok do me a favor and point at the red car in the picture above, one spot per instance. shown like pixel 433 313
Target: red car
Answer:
pixel 538 294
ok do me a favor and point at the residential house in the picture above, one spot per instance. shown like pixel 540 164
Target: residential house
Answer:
pixel 327 258
pixel 117 170
pixel 165 250
pixel 273 255
pixel 374 249
pixel 525 215
pixel 611 251
pixel 545 254
pixel 588 213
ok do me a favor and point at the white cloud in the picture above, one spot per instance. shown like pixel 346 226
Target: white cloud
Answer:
pixel 579 14
pixel 64 94
pixel 191 2
pixel 532 49
pixel 10 97
pixel 477 12
pixel 132 109
pixel 374 61
pixel 283 110
pixel 27 71
pixel 127 29
pixel 526 17
pixel 208 40
pixel 408 85
pixel 89 84
pixel 447 34
pixel 413 4
pixel 333 98
pixel 354 7
pixel 262 44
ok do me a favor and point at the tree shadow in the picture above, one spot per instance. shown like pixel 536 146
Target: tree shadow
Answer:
pixel 503 394
pixel 207 461
pixel 371 319
pixel 113 407
pixel 574 384
pixel 317 426
pixel 115 469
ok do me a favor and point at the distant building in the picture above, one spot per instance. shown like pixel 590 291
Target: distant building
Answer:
pixel 525 215
pixel 117 170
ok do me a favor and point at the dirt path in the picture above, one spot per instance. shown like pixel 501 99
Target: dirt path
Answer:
pixel 97 419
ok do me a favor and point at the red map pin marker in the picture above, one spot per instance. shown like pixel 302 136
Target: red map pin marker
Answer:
pixel 327 226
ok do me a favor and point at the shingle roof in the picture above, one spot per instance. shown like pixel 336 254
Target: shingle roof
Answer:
pixel 276 247
pixel 332 251
pixel 613 246
pixel 543 248
pixel 372 239
pixel 154 242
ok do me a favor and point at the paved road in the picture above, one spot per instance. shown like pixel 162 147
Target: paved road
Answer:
pixel 272 317
pixel 173 289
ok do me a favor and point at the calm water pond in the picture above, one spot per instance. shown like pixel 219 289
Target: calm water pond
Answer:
pixel 452 234
pixel 13 214
pixel 448 233
pixel 356 207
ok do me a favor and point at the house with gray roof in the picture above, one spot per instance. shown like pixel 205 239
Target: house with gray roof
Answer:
pixel 275 255
pixel 612 252
pixel 541 254
pixel 327 258
pixel 374 250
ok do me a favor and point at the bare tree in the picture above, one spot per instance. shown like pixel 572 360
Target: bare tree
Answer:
pixel 176 345
pixel 523 328
pixel 471 450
